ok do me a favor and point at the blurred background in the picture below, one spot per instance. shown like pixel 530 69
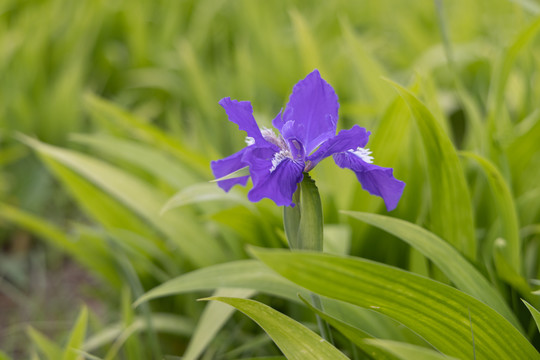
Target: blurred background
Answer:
pixel 108 109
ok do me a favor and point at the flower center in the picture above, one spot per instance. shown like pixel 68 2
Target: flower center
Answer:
pixel 364 154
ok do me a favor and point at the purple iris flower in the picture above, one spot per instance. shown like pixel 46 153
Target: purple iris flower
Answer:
pixel 307 134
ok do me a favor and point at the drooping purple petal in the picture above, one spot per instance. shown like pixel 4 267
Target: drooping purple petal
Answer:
pixel 241 113
pixel 229 165
pixel 375 179
pixel 313 108
pixel 279 184
pixel 345 140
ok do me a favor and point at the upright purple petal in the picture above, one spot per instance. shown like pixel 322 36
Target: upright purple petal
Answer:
pixel 279 184
pixel 229 165
pixel 313 107
pixel 375 179
pixel 345 140
pixel 241 113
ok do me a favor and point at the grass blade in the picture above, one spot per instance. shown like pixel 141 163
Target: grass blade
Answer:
pixel 295 340
pixel 451 210
pixel 504 203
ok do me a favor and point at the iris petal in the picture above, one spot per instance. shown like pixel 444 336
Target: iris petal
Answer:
pixel 278 185
pixel 229 165
pixel 313 107
pixel 375 179
pixel 345 140
pixel 241 113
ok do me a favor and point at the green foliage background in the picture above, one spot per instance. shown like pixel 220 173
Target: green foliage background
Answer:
pixel 109 119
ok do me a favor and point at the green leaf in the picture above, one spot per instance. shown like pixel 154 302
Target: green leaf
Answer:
pixel 451 210
pixel 158 163
pixel 293 339
pixel 199 193
pixel 535 313
pixel 76 336
pixel 448 259
pixel 505 206
pixel 352 333
pixel 406 351
pixel 252 274
pixel 235 174
pixel 106 112
pixel 46 346
pixel 93 254
pixel 161 322
pixel 437 312
pixel 503 68
pixel 213 318
pixel 247 274
pixel 337 239
pixel 86 355
pixel 139 197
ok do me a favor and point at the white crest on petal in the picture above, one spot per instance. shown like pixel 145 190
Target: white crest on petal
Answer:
pixel 249 140
pixel 270 136
pixel 364 154
pixel 279 157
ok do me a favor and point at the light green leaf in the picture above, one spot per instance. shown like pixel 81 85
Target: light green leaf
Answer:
pixel 106 111
pixel 161 322
pixel 505 206
pixel 46 346
pixel 535 313
pixel 86 355
pixel 337 239
pixel 295 340
pixel 503 68
pixel 252 274
pixel 406 351
pixel 448 259
pixel 143 200
pixel 437 312
pixel 266 358
pixel 352 333
pixel 213 318
pixel 76 336
pixel 198 193
pixel 235 174
pixel 247 274
pixel 451 210
pixel 144 156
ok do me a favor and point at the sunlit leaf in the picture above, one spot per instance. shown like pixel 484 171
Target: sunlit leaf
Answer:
pixel 448 259
pixel 442 319
pixel 295 340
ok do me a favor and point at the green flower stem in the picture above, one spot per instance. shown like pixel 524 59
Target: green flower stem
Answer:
pixel 303 225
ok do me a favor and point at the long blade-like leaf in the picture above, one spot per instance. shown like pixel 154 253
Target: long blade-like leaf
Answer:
pixel 448 259
pixel 504 202
pixel 215 315
pixel 406 351
pixel 437 312
pixel 252 274
pixel 295 340
pixel 451 210
pixel 143 200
